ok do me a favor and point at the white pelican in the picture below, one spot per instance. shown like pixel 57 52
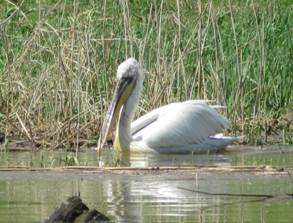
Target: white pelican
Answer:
pixel 186 127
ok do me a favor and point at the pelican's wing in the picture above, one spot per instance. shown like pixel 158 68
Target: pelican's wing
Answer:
pixel 180 124
pixel 145 120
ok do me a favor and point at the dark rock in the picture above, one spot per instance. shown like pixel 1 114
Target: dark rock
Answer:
pixel 74 210
pixel 93 216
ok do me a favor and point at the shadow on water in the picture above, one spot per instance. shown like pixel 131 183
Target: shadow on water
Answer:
pixel 167 197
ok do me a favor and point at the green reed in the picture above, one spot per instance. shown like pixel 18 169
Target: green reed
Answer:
pixel 58 61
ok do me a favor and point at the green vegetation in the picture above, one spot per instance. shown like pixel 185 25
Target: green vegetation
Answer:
pixel 58 61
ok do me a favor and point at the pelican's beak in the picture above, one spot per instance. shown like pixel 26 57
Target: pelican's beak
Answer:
pixel 122 92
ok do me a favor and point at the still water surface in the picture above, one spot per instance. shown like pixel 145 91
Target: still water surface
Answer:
pixel 152 197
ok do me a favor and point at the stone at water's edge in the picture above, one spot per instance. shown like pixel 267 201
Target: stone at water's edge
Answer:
pixel 75 211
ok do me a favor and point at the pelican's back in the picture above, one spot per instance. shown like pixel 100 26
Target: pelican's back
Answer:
pixel 181 125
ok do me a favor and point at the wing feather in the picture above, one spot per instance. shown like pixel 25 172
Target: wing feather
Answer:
pixel 179 124
pixel 144 121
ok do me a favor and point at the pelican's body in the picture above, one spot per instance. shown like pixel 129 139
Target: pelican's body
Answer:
pixel 186 127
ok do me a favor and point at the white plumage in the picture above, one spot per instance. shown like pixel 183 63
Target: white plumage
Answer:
pixel 185 127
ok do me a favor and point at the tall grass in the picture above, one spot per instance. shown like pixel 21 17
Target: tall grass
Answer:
pixel 58 62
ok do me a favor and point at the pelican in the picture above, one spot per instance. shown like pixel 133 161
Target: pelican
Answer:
pixel 186 127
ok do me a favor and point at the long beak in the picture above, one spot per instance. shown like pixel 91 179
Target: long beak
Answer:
pixel 122 92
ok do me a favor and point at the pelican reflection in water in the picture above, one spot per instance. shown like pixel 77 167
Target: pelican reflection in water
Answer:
pixel 185 127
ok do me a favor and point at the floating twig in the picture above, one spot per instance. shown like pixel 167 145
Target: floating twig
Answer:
pixel 229 194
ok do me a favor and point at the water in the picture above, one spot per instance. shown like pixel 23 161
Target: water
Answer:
pixel 272 155
pixel 151 197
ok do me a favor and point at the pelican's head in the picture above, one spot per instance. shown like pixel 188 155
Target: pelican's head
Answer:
pixel 130 68
pixel 129 75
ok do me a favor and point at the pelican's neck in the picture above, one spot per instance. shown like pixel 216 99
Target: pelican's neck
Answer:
pixel 123 136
